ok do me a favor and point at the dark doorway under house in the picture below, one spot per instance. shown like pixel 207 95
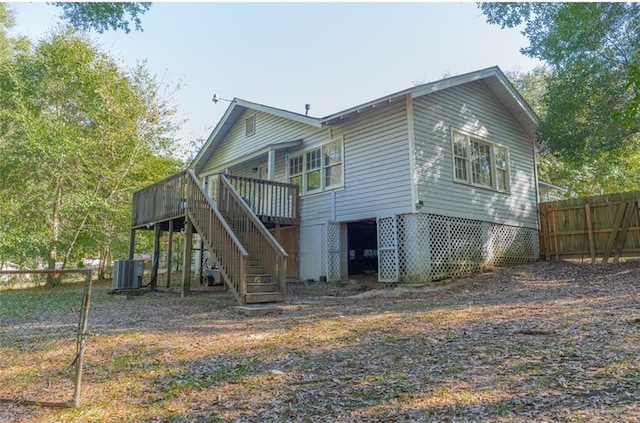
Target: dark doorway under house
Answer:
pixel 363 247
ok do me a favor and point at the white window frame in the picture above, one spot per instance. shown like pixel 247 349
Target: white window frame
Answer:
pixel 324 167
pixel 466 156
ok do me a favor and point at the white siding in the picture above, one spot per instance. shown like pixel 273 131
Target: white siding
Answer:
pixel 473 109
pixel 376 165
pixel 269 130
pixel 310 252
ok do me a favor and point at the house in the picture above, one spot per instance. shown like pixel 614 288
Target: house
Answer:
pixel 435 181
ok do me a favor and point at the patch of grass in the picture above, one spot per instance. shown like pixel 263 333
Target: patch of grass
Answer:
pixel 410 306
pixel 66 297
pixel 30 302
pixel 621 369
pixel 199 375
pixel 212 417
pixel 502 408
pixel 454 370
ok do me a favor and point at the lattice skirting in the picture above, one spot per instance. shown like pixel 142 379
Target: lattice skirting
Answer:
pixel 432 247
pixel 330 259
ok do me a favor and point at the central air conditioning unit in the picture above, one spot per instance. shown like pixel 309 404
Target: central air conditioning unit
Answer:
pixel 127 274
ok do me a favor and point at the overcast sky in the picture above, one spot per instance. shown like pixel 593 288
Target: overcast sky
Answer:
pixel 330 55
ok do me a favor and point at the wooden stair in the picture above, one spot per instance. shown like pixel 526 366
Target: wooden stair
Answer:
pixel 261 286
pixel 253 277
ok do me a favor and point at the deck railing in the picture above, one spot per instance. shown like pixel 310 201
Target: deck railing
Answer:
pixel 246 202
pixel 272 202
pixel 227 251
pixel 163 200
pixel 246 226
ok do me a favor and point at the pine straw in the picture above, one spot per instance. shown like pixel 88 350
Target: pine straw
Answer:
pixel 542 342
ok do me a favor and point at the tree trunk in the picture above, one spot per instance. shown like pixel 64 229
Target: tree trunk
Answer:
pixel 52 279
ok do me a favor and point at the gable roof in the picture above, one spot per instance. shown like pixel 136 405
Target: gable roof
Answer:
pixel 493 78
pixel 236 108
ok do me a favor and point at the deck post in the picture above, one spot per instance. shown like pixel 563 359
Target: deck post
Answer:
pixel 155 263
pixel 169 251
pixel 592 246
pixel 132 243
pixel 186 266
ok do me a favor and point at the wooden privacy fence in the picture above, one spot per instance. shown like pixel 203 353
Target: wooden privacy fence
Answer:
pixel 606 226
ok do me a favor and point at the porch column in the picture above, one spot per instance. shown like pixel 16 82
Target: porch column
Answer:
pixel 344 251
pixel 271 165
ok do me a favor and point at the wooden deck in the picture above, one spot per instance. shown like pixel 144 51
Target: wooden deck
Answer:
pixel 274 203
pixel 231 225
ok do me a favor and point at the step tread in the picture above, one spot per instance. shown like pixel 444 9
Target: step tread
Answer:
pixel 264 297
pixel 262 287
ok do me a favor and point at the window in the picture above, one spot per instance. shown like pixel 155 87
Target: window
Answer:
pixel 332 164
pixel 502 172
pixel 479 162
pixel 295 171
pixel 313 164
pixel 250 125
pixel 318 169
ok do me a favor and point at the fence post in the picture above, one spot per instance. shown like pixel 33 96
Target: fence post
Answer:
pixel 82 336
pixel 592 247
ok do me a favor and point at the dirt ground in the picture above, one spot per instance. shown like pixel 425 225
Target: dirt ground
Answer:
pixel 547 342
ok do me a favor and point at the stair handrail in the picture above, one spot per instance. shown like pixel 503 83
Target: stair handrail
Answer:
pixel 278 269
pixel 209 201
pixel 237 278
pixel 270 238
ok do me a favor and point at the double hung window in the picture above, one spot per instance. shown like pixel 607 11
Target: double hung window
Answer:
pixel 318 169
pixel 480 162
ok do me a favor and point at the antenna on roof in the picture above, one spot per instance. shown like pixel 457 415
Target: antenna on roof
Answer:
pixel 307 107
pixel 216 99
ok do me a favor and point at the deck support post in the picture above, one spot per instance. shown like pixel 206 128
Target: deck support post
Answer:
pixel 155 263
pixel 186 266
pixel 132 243
pixel 200 270
pixel 169 251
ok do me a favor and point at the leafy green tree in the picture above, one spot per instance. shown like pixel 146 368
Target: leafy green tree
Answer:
pixel 603 172
pixel 103 16
pixel 590 121
pixel 78 135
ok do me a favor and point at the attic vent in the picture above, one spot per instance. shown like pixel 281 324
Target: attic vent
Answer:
pixel 250 125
